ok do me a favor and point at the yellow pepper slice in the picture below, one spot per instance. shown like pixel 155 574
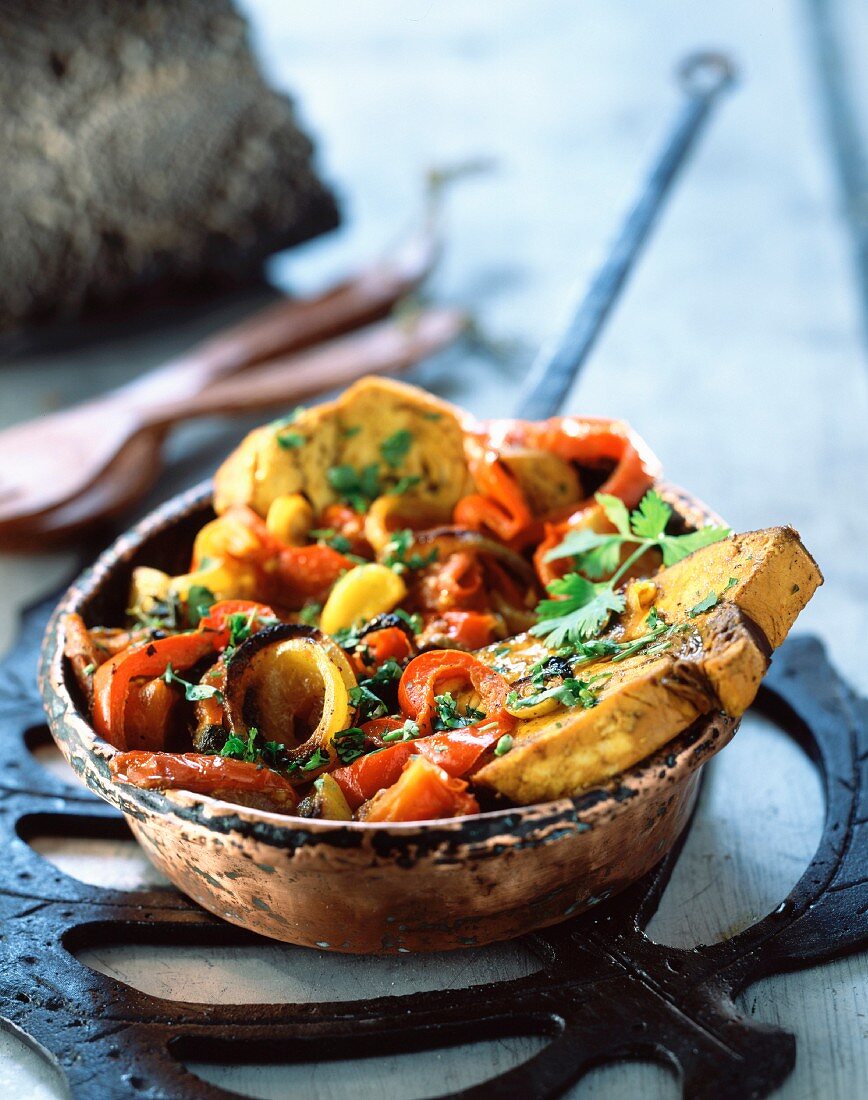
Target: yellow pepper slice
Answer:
pixel 361 594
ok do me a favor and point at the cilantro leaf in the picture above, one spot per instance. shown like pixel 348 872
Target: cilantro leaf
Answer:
pixel 349 744
pixel 705 604
pixel 357 487
pixel 676 547
pixel 242 750
pixel 449 717
pixel 288 441
pixel 616 510
pixel 583 612
pixel 650 518
pixel 395 447
pixel 397 554
pixel 192 692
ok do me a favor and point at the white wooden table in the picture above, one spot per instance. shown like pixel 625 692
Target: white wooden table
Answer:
pixel 737 352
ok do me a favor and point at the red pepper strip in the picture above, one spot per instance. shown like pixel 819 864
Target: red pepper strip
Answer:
pixel 215 622
pixel 418 685
pixel 469 629
pixel 423 792
pixel 371 773
pixel 455 751
pixel 147 714
pixel 111 681
pixel 390 643
pixel 500 504
pixel 375 729
pixel 197 772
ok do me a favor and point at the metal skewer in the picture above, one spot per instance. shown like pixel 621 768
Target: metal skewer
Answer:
pixel 703 77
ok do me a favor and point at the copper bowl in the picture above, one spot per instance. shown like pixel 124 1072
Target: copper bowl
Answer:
pixel 374 888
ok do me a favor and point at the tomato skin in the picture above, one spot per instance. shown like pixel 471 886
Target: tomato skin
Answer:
pixel 112 680
pixel 197 772
pixel 423 792
pixel 418 684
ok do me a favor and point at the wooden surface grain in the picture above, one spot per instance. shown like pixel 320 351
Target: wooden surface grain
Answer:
pixel 737 352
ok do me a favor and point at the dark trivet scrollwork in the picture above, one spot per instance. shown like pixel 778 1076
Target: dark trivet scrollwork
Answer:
pixel 605 991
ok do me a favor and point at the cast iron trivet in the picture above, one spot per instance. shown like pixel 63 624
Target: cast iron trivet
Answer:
pixel 605 991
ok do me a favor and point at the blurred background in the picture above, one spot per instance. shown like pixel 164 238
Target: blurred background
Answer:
pixel 737 351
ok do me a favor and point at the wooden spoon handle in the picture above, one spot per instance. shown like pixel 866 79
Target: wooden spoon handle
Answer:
pixel 291 324
pixel 387 346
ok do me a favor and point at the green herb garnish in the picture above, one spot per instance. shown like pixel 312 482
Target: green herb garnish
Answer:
pixel 570 693
pixel 407 732
pixel 587 604
pixel 503 746
pixel 448 716
pixel 405 484
pixel 310 613
pixel 328 536
pixel 192 692
pixel 241 750
pixel 359 488
pixel 398 556
pixel 395 447
pixel 711 600
pixel 349 744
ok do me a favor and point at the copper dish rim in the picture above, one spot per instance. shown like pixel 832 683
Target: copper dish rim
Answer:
pixel 603 801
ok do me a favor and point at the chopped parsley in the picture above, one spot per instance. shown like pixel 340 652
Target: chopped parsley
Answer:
pixel 405 484
pixel 395 447
pixel 414 621
pixel 287 440
pixel 448 716
pixel 318 759
pixel 310 613
pixel 89 670
pixel 192 692
pixel 407 732
pixel 358 488
pixel 328 536
pixel 398 556
pixel 242 750
pixel 570 693
pixel 368 695
pixel 349 744
pixel 711 600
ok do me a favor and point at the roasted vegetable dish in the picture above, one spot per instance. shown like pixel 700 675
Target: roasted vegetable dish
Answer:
pixel 401 613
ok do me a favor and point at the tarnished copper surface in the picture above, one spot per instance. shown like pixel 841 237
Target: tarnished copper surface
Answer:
pixel 375 888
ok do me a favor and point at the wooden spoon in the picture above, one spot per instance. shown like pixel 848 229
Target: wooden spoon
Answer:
pixel 48 461
pixel 387 346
